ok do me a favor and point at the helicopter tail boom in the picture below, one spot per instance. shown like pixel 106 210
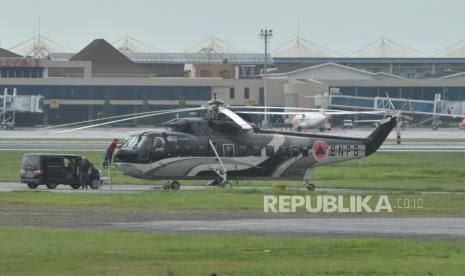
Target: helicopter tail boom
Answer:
pixel 377 137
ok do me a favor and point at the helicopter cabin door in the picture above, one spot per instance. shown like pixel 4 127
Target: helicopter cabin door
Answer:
pixel 158 148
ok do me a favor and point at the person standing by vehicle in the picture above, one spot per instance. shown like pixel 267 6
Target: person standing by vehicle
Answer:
pixel 110 150
pixel 84 170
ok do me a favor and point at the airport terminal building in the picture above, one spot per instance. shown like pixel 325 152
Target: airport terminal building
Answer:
pixel 77 86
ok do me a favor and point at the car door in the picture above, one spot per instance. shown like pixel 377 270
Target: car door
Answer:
pixel 55 168
pixel 70 169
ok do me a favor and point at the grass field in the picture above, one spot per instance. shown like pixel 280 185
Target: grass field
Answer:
pixel 64 252
pixel 71 252
pixel 402 171
pixel 222 200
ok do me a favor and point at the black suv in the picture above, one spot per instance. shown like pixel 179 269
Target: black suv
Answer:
pixel 53 169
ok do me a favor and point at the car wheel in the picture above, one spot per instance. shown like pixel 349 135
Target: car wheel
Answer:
pixel 75 186
pixel 94 184
pixel 51 186
pixel 32 185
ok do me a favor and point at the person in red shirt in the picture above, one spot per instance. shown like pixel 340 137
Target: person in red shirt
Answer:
pixel 110 150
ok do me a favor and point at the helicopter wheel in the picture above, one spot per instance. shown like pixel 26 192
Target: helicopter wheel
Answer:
pixel 175 185
pixel 222 184
pixel 172 185
pixel 310 187
pixel 212 182
pixel 217 182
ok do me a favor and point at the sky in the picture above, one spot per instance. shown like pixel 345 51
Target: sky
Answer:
pixel 176 25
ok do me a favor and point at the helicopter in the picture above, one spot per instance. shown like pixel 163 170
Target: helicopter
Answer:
pixel 221 144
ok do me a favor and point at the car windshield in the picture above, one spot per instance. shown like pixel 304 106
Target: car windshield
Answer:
pixel 31 161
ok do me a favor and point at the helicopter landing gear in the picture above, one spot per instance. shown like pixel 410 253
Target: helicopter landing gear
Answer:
pixel 222 174
pixel 310 186
pixel 307 177
pixel 170 185
pixel 221 180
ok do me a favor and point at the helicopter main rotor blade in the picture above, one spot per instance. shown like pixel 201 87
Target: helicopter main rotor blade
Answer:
pixel 299 113
pixel 236 118
pixel 98 120
pixel 162 112
pixel 433 114
pixel 281 107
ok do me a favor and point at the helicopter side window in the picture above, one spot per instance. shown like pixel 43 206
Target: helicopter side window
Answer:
pixel 200 149
pixel 305 151
pixel 186 149
pixel 228 150
pixel 269 150
pixel 158 145
pixel 242 150
pixel 175 150
pixel 295 151
pixel 249 150
pixel 284 150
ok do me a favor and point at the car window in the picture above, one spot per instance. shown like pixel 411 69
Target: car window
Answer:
pixel 69 162
pixel 55 161
pixel 32 161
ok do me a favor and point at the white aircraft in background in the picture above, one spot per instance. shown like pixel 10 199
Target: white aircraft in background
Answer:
pixel 309 118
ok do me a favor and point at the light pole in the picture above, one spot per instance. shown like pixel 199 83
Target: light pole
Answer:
pixel 266 34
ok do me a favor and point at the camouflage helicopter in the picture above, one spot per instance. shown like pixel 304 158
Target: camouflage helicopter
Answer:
pixel 221 144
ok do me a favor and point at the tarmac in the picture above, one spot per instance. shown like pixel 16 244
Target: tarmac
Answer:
pixel 418 227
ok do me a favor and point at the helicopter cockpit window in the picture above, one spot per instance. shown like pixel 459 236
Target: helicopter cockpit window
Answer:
pixel 143 141
pixel 143 146
pixel 130 142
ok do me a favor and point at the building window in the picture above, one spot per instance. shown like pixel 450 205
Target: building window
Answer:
pixel 246 93
pixel 205 74
pixel 225 74
pixel 232 93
